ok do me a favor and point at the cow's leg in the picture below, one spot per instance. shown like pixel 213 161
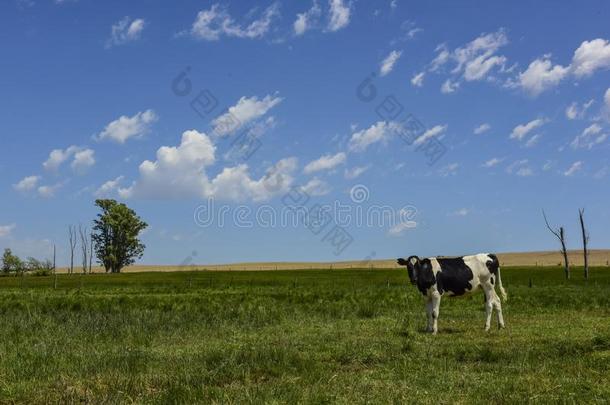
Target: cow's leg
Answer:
pixel 498 306
pixel 436 303
pixel 489 294
pixel 429 313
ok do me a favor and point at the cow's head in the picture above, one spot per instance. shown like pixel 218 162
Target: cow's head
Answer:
pixel 413 267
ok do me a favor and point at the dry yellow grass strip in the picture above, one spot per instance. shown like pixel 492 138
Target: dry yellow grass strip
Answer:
pixel 597 257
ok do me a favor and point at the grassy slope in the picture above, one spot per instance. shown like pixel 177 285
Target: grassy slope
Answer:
pixel 309 336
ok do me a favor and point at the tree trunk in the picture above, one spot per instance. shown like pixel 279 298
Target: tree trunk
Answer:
pixel 565 253
pixel 585 241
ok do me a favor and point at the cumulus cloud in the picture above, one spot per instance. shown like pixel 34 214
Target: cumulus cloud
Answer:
pixel 108 188
pixel 590 136
pixel 474 61
pixel 542 74
pixel 449 86
pixel 355 172
pixel 436 131
pixel 325 162
pixel 378 132
pixel 245 111
pixel 573 169
pixel 27 183
pixel 521 130
pixel 481 129
pixel 125 30
pixel 6 230
pixel 212 24
pixel 180 172
pixel 49 191
pixel 339 15
pixel 316 187
pixel 388 63
pixel 125 128
pixel 82 159
pixel 307 20
pixel 418 79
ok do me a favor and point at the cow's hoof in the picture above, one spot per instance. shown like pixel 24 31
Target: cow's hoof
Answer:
pixel 487 329
pixel 501 326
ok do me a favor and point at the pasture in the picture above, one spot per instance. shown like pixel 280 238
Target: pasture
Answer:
pixel 311 336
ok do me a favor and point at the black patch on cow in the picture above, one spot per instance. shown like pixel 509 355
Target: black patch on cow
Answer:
pixel 425 276
pixel 455 276
pixel 493 265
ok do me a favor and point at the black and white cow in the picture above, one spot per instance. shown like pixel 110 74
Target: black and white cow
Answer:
pixel 452 276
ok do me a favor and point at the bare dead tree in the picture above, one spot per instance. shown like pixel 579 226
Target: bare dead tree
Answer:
pixel 84 247
pixel 72 235
pixel 91 246
pixel 585 241
pixel 54 268
pixel 560 234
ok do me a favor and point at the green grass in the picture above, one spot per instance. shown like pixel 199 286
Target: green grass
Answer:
pixel 299 336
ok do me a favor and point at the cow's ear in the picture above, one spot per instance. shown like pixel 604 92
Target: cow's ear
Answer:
pixel 401 261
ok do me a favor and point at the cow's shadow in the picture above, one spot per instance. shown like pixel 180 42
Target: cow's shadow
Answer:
pixel 442 331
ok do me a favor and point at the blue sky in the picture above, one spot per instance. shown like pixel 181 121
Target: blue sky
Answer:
pixel 94 105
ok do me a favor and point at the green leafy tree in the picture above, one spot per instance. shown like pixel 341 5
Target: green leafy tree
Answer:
pixel 11 263
pixel 115 235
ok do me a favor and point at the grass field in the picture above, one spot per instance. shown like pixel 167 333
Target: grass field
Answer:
pixel 346 336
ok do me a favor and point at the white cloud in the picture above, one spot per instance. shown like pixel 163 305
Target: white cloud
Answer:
pixel 482 129
pixel 180 172
pixel 211 24
pixel 339 14
pixel 124 128
pixel 355 172
pixel 307 20
pixel 378 132
pixel 591 56
pixel 520 168
pixel 316 187
pixel 418 79
pixel 402 227
pixel 541 75
pixel 108 188
pixel 246 110
pixel 83 160
pixel 436 131
pixel 6 230
pixel 27 183
pixel 574 111
pixel 533 141
pixel 48 191
pixel 388 63
pixel 591 136
pixel 449 170
pixel 125 30
pixel 492 162
pixel 325 162
pixel 521 130
pixel 449 86
pixel 576 166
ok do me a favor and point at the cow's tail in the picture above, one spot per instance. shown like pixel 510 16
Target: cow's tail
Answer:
pixel 501 288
